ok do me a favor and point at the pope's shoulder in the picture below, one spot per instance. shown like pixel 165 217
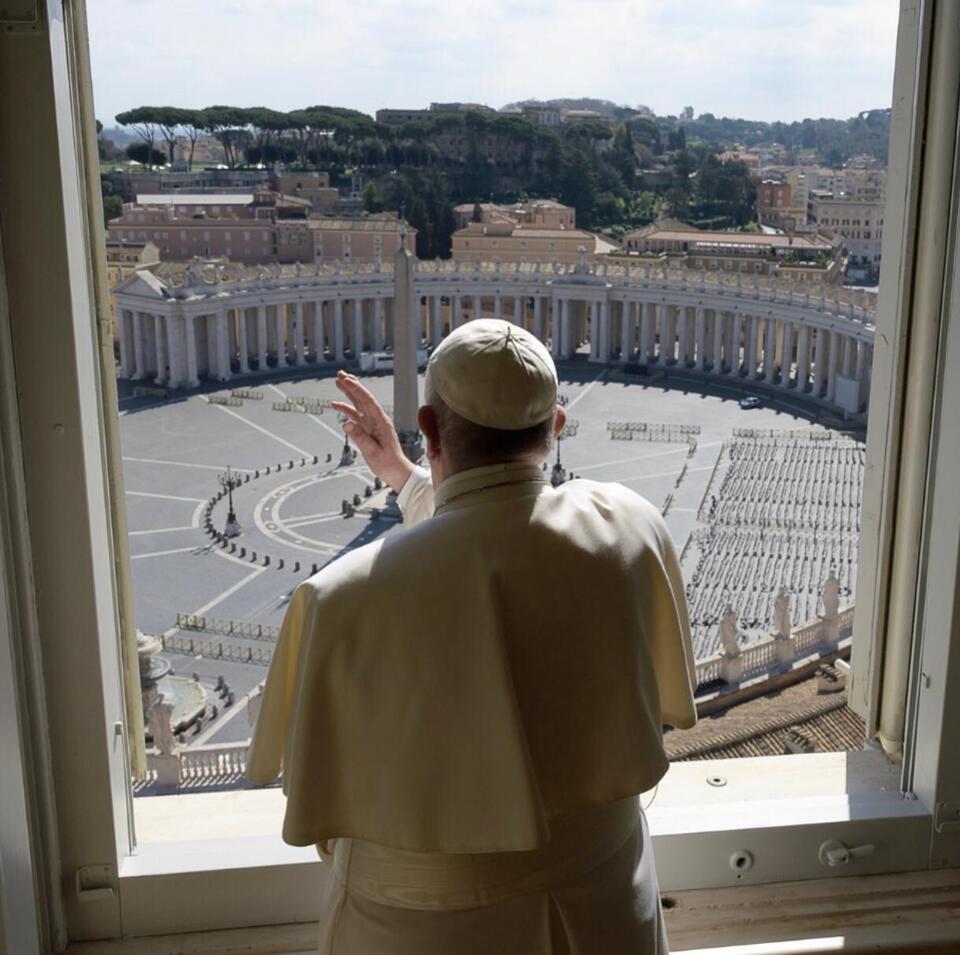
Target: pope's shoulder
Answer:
pixel 415 548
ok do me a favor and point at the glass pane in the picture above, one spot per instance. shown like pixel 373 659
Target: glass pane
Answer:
pixel 706 285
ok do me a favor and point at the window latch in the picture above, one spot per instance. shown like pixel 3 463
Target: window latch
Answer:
pixel 834 853
pixel 20 16
pixel 95 883
pixel 947 818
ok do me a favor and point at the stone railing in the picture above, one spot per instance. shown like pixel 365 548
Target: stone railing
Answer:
pixel 200 764
pixel 196 767
pixel 775 654
pixel 225 764
pixel 855 304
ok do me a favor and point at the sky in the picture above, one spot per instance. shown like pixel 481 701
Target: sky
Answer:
pixel 756 59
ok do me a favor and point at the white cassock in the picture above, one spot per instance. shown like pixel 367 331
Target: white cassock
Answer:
pixel 469 708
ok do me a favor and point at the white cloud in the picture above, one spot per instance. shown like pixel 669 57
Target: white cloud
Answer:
pixel 762 59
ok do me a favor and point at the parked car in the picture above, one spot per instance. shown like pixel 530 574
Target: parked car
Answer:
pixel 751 401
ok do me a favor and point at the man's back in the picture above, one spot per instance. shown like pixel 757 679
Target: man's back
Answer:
pixel 507 661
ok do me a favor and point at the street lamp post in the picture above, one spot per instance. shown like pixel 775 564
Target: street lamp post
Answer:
pixel 559 476
pixel 229 481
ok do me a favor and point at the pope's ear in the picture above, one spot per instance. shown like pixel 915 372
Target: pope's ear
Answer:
pixel 559 420
pixel 427 422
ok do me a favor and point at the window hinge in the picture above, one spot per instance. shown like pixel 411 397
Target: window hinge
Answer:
pixel 947 818
pixel 95 883
pixel 19 16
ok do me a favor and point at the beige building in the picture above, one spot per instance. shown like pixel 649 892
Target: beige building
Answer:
pixel 543 213
pixel 124 258
pixel 859 222
pixel 361 241
pixel 510 242
pixel 252 228
pixel 806 257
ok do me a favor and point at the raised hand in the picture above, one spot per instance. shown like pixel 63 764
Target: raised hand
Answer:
pixel 372 431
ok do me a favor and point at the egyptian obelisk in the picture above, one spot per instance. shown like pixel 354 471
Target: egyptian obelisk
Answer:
pixel 405 339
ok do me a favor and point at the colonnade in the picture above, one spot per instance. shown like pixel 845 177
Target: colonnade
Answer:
pixel 222 335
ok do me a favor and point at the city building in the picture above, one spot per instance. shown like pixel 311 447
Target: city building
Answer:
pixel 254 228
pixel 541 114
pixel 777 207
pixel 575 116
pixel 124 258
pixel 538 230
pixel 397 117
pixel 544 213
pixel 812 257
pixel 858 221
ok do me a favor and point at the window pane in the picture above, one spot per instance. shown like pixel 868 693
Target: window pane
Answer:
pixel 722 370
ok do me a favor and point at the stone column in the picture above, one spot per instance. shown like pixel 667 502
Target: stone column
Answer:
pixel 298 338
pixel 406 336
pixel 627 318
pixel 573 319
pixel 752 332
pixel 223 346
pixel 497 305
pixel 517 311
pixel 849 357
pixel 175 351
pixel 803 358
pixel 786 355
pixel 701 344
pixel 456 312
pixel 833 365
pixel 124 338
pixel 477 311
pixel 668 334
pixel 556 326
pixel 682 347
pixel 821 347
pixel 138 350
pixel 599 332
pixel 262 337
pixel 649 329
pixel 242 345
pixel 378 324
pixel 733 344
pixel 280 319
pixel 769 350
pixel 338 329
pixel 717 341
pixel 436 326
pixel 356 335
pixel 861 370
pixel 160 337
pixel 538 318
pixel 190 347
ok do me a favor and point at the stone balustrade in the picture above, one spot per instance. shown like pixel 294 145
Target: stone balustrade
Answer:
pixel 217 321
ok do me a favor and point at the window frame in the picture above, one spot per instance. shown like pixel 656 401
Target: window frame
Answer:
pixel 152 888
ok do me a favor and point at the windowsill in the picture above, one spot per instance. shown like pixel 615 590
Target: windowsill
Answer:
pixel 241 828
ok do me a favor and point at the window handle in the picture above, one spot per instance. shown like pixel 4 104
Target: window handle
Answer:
pixel 834 853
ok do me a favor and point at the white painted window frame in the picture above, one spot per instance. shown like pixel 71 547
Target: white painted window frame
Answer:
pixel 112 888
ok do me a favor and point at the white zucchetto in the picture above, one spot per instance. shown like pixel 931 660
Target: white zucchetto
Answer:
pixel 495 374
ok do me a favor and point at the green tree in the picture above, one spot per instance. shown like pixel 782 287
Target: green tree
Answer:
pixel 623 156
pixel 112 208
pixel 144 154
pixel 142 121
pixel 371 198
pixel 477 214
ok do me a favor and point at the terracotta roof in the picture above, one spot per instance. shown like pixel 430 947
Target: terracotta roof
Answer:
pixel 760 727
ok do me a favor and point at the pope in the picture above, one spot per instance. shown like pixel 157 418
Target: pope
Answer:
pixel 466 711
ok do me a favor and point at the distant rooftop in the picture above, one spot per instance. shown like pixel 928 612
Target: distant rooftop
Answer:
pixel 195 199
